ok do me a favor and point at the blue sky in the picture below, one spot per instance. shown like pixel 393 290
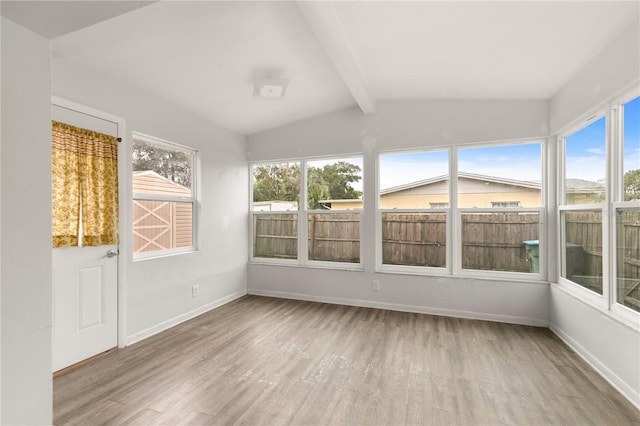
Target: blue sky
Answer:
pixel 585 157
pixel 520 162
pixel 632 135
pixel 586 148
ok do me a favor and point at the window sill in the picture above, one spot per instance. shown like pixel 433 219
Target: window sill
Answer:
pixel 324 265
pixel 163 255
pixel 464 276
pixel 625 320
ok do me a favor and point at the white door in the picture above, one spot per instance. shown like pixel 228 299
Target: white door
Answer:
pixel 85 281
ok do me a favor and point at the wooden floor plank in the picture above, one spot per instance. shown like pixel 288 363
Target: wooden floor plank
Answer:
pixel 269 361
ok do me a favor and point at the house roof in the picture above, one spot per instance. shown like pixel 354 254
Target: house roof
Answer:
pixel 483 178
pixel 150 182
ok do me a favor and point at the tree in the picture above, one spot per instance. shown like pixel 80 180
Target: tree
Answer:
pixel 333 181
pixel 276 182
pixel 281 182
pixel 632 185
pixel 173 164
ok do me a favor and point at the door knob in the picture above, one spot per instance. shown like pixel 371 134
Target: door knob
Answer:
pixel 112 253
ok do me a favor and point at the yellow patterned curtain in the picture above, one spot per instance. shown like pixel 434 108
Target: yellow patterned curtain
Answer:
pixel 85 179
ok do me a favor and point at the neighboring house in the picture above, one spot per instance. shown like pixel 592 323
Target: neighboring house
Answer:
pixel 275 206
pixel 160 225
pixel 474 191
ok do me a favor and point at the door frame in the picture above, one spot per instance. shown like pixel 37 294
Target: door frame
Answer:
pixel 124 191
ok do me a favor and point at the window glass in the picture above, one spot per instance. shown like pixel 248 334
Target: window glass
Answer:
pixel 275 235
pixel 501 241
pixel 628 258
pixel 508 174
pixel 334 237
pixel 414 180
pixel 163 195
pixel 631 159
pixel 585 165
pixel 276 194
pixel 334 184
pixel 414 239
pixel 276 186
pixel 583 248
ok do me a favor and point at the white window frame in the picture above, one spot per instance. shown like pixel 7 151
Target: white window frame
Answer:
pixel 454 214
pixel 407 269
pixel 574 288
pixel 616 111
pixel 541 275
pixel 506 275
pixel 303 212
pixel 193 199
pixel 607 302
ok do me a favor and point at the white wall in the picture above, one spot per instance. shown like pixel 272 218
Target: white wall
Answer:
pixel 26 381
pixel 610 346
pixel 403 125
pixel 609 72
pixel 158 291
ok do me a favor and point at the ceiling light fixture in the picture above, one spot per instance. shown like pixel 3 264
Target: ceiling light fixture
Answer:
pixel 270 88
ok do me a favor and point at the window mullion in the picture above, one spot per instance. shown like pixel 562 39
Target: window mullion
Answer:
pixel 454 222
pixel 303 219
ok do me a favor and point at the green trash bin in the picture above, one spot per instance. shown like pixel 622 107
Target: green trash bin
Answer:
pixel 533 253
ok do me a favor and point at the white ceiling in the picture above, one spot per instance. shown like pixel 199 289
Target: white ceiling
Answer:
pixel 204 55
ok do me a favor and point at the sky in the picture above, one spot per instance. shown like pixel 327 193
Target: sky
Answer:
pixel 520 162
pixel 585 151
pixel 585 157
pixel 586 148
pixel 632 135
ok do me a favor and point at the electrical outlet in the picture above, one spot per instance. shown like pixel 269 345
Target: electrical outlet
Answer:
pixel 195 290
pixel 375 285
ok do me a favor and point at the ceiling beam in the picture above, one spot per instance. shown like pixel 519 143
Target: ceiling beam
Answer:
pixel 325 23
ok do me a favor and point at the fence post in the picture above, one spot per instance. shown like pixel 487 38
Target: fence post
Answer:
pixel 312 236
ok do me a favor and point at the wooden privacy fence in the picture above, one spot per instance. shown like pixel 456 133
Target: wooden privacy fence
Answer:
pixel 583 231
pixel 491 241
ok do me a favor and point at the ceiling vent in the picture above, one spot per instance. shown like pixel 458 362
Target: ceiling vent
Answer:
pixel 270 88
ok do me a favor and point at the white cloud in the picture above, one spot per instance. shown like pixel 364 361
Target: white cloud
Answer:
pixel 595 151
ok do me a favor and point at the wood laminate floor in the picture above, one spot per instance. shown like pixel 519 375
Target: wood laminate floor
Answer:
pixel 265 361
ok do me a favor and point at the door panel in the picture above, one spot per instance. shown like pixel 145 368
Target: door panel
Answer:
pixel 85 304
pixel 85 282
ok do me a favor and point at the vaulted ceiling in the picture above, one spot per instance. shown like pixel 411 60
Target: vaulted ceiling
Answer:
pixel 204 55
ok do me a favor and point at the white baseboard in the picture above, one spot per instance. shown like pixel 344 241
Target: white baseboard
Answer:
pixel 141 335
pixel 614 380
pixel 536 322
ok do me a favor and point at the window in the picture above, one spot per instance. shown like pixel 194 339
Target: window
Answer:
pixel 414 210
pixel 439 205
pixel 504 204
pixel 583 195
pixel 600 210
pixel 627 217
pixel 275 195
pixel 164 197
pixel 320 225
pixel 500 235
pixel 334 202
